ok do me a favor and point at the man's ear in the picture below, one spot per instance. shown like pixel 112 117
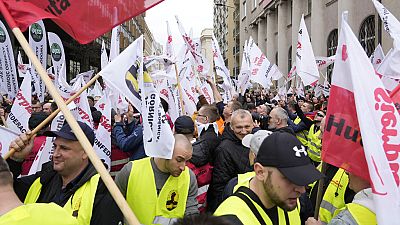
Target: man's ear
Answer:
pixel 259 170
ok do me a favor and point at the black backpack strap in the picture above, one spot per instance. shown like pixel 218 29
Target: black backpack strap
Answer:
pixel 250 204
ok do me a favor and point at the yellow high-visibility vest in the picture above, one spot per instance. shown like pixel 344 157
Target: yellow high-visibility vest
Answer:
pixel 38 214
pixel 142 197
pixel 314 144
pixel 79 205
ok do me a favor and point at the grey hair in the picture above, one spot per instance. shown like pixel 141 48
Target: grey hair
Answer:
pixel 282 114
pixel 241 113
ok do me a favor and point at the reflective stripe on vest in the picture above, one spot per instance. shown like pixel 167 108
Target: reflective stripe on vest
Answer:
pixel 79 205
pixel 301 135
pixel 243 180
pixel 235 206
pixel 314 144
pixel 142 194
pixel 334 196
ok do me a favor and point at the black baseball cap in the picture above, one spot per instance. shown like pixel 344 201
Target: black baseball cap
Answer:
pixel 67 133
pixel 285 152
pixel 184 125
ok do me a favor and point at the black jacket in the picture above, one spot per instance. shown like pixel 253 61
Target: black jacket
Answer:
pixel 232 159
pixel 204 148
pixel 105 210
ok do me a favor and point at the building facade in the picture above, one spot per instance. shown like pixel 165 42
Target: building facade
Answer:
pixel 226 23
pixel 274 24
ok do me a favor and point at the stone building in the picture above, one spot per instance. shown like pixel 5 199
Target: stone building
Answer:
pixel 274 24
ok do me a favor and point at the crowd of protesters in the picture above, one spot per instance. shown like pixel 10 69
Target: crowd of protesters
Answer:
pixel 255 159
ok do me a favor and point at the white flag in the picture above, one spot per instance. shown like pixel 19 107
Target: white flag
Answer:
pixel 261 69
pixel 305 59
pixel 102 141
pixel 57 55
pixel 103 55
pixel 244 75
pixel 168 45
pixel 114 48
pixel 207 92
pixel 158 139
pixel 38 43
pixel 377 57
pixel 22 68
pixel 7 136
pixel 97 90
pixel 219 63
pixel 194 47
pixel 354 74
pixel 8 72
pixel 21 109
pixel 86 76
pixel 122 73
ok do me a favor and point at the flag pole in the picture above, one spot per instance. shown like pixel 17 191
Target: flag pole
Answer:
pixel 54 114
pixel 319 192
pixel 179 88
pixel 105 176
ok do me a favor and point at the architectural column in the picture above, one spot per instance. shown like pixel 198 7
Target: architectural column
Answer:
pixel 254 32
pixel 317 28
pixel 271 28
pixel 296 17
pixel 282 37
pixel 262 25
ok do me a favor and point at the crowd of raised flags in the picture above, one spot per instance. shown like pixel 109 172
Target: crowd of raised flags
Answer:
pixel 364 93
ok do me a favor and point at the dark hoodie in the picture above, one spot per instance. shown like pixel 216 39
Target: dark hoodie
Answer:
pixel 232 158
pixel 105 210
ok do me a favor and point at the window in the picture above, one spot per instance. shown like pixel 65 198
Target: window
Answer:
pixel 331 47
pixel 244 9
pixel 276 58
pixel 367 35
pixel 74 67
pixel 290 59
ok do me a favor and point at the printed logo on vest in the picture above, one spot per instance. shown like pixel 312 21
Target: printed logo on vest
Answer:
pixel 172 202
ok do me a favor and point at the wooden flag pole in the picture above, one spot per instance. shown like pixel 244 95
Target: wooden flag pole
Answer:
pixel 319 192
pixel 54 114
pixel 105 176
pixel 179 89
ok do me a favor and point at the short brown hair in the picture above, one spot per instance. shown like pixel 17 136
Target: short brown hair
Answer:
pixel 5 175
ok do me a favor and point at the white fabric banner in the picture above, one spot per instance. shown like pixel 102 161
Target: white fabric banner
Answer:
pixel 158 139
pixel 244 75
pixel 97 90
pixel 7 136
pixel 57 55
pixel 115 45
pixel 121 74
pixel 22 68
pixel 207 92
pixel 38 42
pixel 219 64
pixel 354 72
pixel 102 141
pixel 169 52
pixel 8 72
pixel 377 57
pixel 305 59
pixel 21 109
pixel 261 69
pixel 103 56
pixel 194 47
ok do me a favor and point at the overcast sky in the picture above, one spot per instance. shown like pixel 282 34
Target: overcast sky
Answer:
pixel 196 14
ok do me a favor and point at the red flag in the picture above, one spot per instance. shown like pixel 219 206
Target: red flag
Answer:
pixel 83 20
